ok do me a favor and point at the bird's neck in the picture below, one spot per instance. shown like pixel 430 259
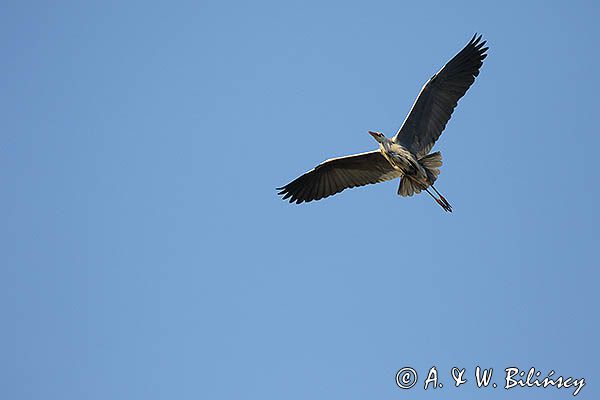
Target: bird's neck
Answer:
pixel 386 145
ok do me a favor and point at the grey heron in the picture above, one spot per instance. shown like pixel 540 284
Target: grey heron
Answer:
pixel 406 154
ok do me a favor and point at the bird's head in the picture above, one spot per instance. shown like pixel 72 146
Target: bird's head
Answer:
pixel 380 137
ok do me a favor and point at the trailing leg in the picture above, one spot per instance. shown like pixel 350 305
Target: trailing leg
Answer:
pixel 442 204
pixel 442 198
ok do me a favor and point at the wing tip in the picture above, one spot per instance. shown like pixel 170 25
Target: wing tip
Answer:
pixel 476 40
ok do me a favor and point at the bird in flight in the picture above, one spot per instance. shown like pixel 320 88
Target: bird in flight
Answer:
pixel 406 154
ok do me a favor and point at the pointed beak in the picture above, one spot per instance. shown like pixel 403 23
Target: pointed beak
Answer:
pixel 374 134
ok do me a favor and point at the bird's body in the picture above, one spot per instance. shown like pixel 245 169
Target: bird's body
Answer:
pixel 416 174
pixel 406 154
pixel 402 159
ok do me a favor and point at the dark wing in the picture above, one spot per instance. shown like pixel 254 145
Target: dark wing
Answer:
pixel 438 98
pixel 336 174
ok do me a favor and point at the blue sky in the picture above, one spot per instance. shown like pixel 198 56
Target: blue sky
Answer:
pixel 145 254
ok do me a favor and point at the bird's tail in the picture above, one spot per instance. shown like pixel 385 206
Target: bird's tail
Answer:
pixel 431 163
pixel 408 187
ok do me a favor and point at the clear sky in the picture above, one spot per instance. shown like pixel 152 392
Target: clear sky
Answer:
pixel 145 255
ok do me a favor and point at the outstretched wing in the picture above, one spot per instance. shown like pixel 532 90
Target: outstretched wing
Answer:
pixel 336 174
pixel 438 98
